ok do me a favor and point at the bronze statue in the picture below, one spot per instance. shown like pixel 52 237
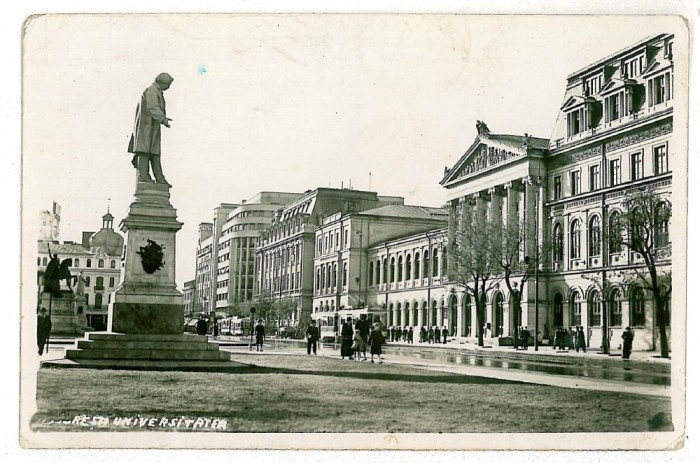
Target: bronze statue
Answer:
pixel 145 140
pixel 55 272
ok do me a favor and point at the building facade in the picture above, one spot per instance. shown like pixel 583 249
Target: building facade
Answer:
pixel 613 135
pixel 284 253
pixel 96 261
pixel 351 251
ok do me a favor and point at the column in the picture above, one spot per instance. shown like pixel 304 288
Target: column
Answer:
pixel 411 316
pixel 529 215
pixel 420 316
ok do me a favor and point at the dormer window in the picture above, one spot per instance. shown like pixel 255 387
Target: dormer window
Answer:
pixel 592 85
pixel 633 67
pixel 659 89
pixel 615 106
pixel 574 122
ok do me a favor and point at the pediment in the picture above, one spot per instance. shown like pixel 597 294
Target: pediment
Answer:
pixel 656 66
pixel 573 102
pixel 612 85
pixel 481 156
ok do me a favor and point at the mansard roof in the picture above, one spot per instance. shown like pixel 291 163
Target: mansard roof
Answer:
pixel 416 212
pixel 491 150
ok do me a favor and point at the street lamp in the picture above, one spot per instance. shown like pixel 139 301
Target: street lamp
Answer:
pixel 252 316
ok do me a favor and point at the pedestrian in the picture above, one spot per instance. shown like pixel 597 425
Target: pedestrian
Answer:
pixel 431 335
pixel 423 335
pixel 43 330
pixel 627 338
pixel 525 337
pixel 376 339
pixel 346 334
pixel 356 340
pixel 567 339
pixel 216 329
pixel 202 327
pixel 364 327
pixel 410 335
pixel 557 339
pixel 404 334
pixel 445 332
pixel 311 337
pixel 580 339
pixel 259 335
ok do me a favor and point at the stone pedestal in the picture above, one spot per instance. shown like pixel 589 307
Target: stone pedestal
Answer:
pixel 65 321
pixel 145 320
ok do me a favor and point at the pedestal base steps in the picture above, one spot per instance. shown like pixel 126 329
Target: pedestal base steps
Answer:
pixel 183 352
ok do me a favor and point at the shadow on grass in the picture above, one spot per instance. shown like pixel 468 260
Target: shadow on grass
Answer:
pixel 380 376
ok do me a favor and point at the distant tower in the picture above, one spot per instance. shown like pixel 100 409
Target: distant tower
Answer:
pixel 49 229
pixel 107 239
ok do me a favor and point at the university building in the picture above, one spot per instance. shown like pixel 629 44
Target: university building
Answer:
pixel 362 257
pixel 613 134
pixel 285 252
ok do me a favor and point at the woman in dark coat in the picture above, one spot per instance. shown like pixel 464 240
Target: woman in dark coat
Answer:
pixel 376 339
pixel 346 333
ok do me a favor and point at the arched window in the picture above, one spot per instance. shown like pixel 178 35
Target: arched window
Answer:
pixel 615 308
pixel 594 236
pixel 400 268
pixel 615 233
pixel 426 263
pixel 557 244
pixel 575 308
pixel 408 267
pixel 594 309
pixel 379 273
pixel 637 315
pixel 576 239
pixel 111 282
pixel 76 262
pixel 87 282
pixel 435 263
pixel 443 267
pixel 100 263
pixel 100 282
pixel 662 214
pixel 416 270
pixel 88 263
pixel 318 279
pixel 345 273
pixel 371 273
pixel 392 270
pixel 558 310
pixel 334 276
pixel 384 270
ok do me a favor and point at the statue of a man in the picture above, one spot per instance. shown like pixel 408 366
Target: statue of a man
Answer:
pixel 145 141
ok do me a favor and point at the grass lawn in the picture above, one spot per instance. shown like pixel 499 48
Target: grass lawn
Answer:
pixel 316 394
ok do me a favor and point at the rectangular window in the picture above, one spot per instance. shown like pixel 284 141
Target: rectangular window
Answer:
pixel 575 182
pixel 573 122
pixel 614 173
pixel 557 187
pixel 660 160
pixel 594 177
pixel 636 166
pixel 659 89
pixel 614 107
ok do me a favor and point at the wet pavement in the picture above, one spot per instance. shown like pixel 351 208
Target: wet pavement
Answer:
pixel 589 371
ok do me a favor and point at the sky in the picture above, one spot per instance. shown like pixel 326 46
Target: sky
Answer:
pixel 286 102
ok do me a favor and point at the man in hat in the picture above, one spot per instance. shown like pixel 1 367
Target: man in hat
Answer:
pixel 43 330
pixel 312 336
pixel 259 336
pixel 145 141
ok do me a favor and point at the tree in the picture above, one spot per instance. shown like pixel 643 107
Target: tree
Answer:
pixel 643 227
pixel 473 241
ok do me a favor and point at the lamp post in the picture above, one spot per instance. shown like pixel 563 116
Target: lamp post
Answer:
pixel 252 316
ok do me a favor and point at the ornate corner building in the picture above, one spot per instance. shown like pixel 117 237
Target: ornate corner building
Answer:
pixel 613 134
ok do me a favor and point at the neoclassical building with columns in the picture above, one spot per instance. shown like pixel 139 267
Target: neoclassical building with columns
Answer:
pixel 613 134
pixel 503 177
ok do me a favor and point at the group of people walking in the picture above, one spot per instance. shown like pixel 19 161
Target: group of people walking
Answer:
pixel 405 334
pixel 573 338
pixel 433 334
pixel 355 339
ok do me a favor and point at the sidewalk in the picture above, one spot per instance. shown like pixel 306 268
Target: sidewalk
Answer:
pixel 543 351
